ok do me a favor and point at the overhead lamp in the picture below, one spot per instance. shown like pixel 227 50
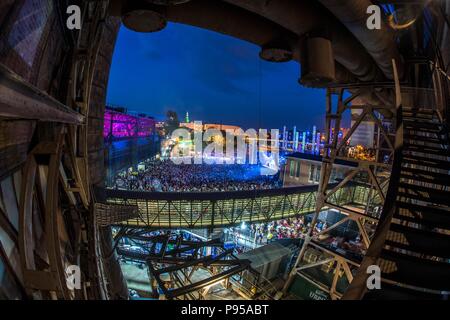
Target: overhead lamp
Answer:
pixel 143 20
pixel 276 53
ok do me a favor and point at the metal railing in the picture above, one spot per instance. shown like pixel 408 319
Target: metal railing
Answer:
pixel 219 209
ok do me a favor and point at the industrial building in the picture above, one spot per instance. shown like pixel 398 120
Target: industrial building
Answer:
pixel 58 219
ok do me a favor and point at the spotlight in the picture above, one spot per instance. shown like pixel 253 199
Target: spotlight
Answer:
pixel 276 54
pixel 144 20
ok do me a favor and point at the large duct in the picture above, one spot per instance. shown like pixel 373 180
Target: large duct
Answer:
pixel 303 17
pixel 234 21
pixel 216 16
pixel 379 43
pixel 227 19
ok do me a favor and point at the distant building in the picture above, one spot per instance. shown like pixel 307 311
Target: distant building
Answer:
pixel 120 124
pixel 304 169
pixel 207 126
pixel 365 132
pixel 129 138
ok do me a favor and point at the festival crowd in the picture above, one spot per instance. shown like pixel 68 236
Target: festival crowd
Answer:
pixel 295 228
pixel 164 175
pixel 282 229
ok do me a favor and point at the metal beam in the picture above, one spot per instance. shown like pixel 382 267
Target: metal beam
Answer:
pixel 20 100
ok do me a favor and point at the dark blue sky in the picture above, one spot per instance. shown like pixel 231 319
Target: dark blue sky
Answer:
pixel 214 77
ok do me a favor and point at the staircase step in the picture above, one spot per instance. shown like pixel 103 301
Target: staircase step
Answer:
pixel 432 222
pixel 410 116
pixel 439 177
pixel 420 197
pixel 415 187
pixel 418 110
pixel 445 181
pixel 415 271
pixel 422 121
pixel 423 138
pixel 427 216
pixel 389 292
pixel 426 149
pixel 428 162
pixel 422 133
pixel 431 127
pixel 426 242
pixel 434 194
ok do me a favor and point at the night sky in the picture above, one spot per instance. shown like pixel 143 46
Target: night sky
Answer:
pixel 217 78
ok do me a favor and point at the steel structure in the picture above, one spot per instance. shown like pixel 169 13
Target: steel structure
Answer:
pixel 412 241
pixel 219 209
pixel 374 172
pixel 51 141
pixel 54 197
pixel 179 259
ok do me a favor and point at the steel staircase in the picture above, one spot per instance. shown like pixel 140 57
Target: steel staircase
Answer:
pixel 415 256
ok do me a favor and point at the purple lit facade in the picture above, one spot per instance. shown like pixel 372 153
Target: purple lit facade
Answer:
pixel 119 125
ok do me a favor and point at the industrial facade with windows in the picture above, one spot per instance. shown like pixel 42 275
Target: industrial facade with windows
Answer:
pixel 304 169
pixel 95 203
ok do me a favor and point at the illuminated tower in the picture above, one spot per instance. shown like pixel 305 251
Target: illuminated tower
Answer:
pixel 294 143
pixel 303 141
pixel 313 138
pixel 317 150
pixel 187 117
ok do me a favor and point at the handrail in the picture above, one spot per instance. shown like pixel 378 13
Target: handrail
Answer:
pixel 358 286
pixel 214 195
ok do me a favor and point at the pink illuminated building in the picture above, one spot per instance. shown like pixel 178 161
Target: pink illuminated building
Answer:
pixel 119 125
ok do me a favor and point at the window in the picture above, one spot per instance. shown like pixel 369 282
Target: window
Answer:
pixel 312 168
pixel 333 174
pixel 298 170
pixel 292 167
pixel 317 174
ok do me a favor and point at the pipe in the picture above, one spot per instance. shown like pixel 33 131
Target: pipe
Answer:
pixel 226 19
pixel 230 20
pixel 302 17
pixel 379 43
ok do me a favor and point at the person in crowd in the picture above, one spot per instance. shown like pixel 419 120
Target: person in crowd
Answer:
pixel 269 236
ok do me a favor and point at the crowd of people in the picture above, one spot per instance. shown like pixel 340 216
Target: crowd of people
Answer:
pixel 166 176
pixel 282 229
pixel 295 228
